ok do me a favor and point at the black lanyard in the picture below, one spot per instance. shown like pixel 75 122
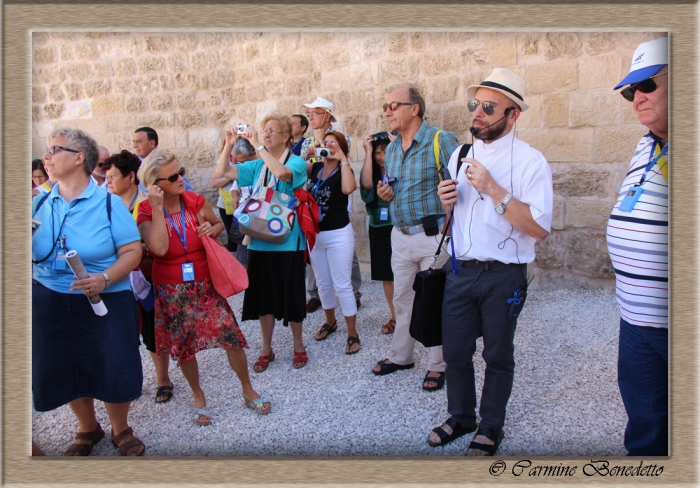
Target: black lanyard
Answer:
pixel 57 238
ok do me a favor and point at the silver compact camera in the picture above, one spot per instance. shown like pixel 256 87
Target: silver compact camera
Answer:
pixel 242 128
pixel 322 152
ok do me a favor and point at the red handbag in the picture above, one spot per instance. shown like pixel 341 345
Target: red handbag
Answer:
pixel 227 274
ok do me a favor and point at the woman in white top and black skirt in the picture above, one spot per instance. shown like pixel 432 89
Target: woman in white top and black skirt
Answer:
pixel 331 182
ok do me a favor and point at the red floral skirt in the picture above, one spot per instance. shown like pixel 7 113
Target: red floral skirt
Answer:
pixel 192 317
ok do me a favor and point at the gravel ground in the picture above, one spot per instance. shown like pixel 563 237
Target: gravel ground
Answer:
pixel 565 400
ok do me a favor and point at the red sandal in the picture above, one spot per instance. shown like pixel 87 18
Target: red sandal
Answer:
pixel 300 357
pixel 389 327
pixel 263 362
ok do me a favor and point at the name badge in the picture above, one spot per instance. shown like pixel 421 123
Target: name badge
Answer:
pixel 384 214
pixel 630 200
pixel 60 263
pixel 188 272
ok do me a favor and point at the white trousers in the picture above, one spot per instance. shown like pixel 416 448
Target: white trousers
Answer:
pixel 409 255
pixel 331 260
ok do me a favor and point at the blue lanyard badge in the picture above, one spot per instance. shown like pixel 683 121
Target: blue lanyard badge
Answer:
pixel 633 194
pixel 384 213
pixel 320 182
pixel 182 236
pixel 652 161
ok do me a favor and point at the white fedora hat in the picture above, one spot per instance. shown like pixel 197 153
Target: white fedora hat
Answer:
pixel 324 104
pixel 504 81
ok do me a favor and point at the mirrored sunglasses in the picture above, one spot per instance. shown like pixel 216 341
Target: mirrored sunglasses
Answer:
pixel 488 107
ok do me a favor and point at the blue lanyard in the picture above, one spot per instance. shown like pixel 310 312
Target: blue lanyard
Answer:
pixel 183 236
pixel 652 162
pixel 319 182
pixel 133 200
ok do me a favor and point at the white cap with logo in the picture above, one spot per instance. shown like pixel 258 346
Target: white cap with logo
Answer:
pixel 648 59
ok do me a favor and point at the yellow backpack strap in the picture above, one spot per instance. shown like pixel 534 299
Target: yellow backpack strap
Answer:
pixel 662 163
pixel 135 211
pixel 436 150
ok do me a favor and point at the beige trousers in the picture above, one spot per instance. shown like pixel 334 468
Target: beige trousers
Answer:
pixel 409 255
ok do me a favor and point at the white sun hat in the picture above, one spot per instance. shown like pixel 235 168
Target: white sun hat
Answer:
pixel 504 81
pixel 324 104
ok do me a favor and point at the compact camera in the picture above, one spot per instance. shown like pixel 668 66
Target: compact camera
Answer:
pixel 242 128
pixel 322 152
pixel 388 180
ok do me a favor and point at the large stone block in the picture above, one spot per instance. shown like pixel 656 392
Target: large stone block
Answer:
pixel 550 77
pixel 151 64
pixel 397 43
pixel 334 57
pixel 40 38
pixel 148 85
pixel 156 120
pixel 220 116
pixel 38 94
pixel 124 86
pixel 136 104
pixel 599 42
pixel 255 93
pixel 92 126
pixel 443 89
pixel 530 45
pixel 185 100
pixel 245 75
pixel 107 106
pixel 53 110
pixel 456 118
pixel 45 55
pixel 205 60
pixel 164 101
pixel 503 52
pixel 86 51
pixel 374 47
pixel 125 67
pixel 617 144
pixel 332 81
pixel 96 88
pixel 191 119
pixel 56 93
pixel 560 144
pixel 356 126
pixel 42 76
pixel 178 62
pixel 233 96
pixel 629 116
pixel 594 108
pixel 117 123
pixel 222 78
pixel 78 71
pixel 77 110
pixel 599 72
pixel 193 81
pixel 558 212
pixel 159 44
pixel 251 51
pixel 288 41
pixel 563 44
pixel 296 87
pixel 363 100
pixel 74 91
pixel 550 253
pixel 393 70
pixel 263 69
pixel 439 63
pixel 588 254
pixel 208 99
pixel 580 179
pixel 532 117
pixel 216 40
pixel 36 113
pixel 291 106
pixel 66 52
pixel 556 109
pixel 592 214
pixel 232 57
pixel 274 88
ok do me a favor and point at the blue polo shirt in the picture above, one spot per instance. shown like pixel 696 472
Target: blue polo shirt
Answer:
pixel 248 174
pixel 88 231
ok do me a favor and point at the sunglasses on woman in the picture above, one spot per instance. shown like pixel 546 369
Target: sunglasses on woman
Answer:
pixel 173 177
pixel 644 86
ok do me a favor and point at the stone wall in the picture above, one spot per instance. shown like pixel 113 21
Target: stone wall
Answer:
pixel 189 86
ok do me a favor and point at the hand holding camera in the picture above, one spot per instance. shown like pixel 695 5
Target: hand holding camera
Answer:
pixel 323 152
pixel 447 190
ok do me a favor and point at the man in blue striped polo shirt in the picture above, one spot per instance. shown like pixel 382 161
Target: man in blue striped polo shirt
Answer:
pixel 417 216
pixel 638 245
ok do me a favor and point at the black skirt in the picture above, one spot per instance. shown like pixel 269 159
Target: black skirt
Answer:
pixel 380 253
pixel 275 286
pixel 76 353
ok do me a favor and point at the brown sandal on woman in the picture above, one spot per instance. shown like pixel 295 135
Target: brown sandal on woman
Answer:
pixel 128 447
pixel 389 327
pixel 81 449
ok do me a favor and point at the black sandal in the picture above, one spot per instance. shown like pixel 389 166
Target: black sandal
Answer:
pixel 457 431
pixel 440 380
pixel 328 329
pixel 351 341
pixel 166 391
pixel 496 437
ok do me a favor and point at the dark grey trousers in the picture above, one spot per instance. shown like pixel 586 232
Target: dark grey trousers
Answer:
pixel 475 304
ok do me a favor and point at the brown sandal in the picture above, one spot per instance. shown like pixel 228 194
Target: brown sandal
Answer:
pixel 127 446
pixel 389 327
pixel 81 449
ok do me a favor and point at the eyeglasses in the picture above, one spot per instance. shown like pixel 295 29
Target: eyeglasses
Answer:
pixel 394 105
pixel 644 86
pixel 330 143
pixel 488 107
pixel 173 177
pixel 314 114
pixel 101 165
pixel 271 132
pixel 54 149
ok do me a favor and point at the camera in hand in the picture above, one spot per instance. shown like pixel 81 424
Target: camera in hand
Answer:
pixel 242 128
pixel 444 174
pixel 388 180
pixel 322 152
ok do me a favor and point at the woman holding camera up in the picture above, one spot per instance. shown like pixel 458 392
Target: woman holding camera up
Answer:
pixel 276 287
pixel 331 182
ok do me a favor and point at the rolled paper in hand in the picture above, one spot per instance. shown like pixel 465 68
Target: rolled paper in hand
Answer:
pixel 76 265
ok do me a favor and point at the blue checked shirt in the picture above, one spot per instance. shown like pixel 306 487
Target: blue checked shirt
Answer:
pixel 415 191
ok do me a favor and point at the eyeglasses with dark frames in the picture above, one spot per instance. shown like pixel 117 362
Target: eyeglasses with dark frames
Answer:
pixel 644 86
pixel 394 105
pixel 54 149
pixel 173 177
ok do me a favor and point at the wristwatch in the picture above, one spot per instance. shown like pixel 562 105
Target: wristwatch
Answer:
pixel 501 207
pixel 261 147
pixel 106 277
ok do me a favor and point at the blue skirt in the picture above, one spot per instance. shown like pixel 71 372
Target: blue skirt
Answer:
pixel 76 353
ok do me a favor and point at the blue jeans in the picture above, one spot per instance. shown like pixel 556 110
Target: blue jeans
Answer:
pixel 642 375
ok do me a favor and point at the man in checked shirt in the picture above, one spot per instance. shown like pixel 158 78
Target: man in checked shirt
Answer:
pixel 417 216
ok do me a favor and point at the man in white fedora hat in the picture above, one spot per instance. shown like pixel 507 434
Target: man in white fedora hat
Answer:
pixel 320 116
pixel 502 201
pixel 638 245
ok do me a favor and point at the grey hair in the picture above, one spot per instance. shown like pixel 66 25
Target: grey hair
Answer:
pixel 82 142
pixel 414 96
pixel 243 148
pixel 152 163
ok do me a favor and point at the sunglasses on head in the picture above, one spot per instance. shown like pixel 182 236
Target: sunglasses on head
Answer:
pixel 644 86
pixel 173 177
